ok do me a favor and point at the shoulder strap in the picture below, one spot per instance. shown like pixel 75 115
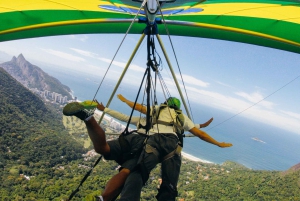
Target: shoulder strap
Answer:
pixel 155 116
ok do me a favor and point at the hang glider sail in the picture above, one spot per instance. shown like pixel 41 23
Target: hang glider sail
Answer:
pixel 269 23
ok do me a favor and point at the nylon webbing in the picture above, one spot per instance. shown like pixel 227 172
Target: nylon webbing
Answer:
pixel 84 178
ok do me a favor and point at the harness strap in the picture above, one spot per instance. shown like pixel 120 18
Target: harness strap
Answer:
pixel 150 149
pixel 164 123
pixel 171 154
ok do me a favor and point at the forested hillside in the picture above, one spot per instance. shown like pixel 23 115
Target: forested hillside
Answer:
pixel 32 138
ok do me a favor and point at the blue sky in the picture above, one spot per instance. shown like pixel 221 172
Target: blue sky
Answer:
pixel 221 74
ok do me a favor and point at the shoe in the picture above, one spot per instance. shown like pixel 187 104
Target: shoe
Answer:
pixel 98 198
pixel 82 110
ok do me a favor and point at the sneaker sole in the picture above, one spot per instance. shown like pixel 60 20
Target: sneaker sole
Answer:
pixel 75 107
pixel 72 108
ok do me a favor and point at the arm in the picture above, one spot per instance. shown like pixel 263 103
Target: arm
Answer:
pixel 118 115
pixel 204 136
pixel 138 107
pixel 204 124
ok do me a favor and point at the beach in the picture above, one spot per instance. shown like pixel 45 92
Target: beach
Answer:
pixel 193 158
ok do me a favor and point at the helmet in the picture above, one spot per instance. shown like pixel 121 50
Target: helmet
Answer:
pixel 174 103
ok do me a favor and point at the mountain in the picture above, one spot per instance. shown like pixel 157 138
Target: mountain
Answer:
pixel 30 131
pixel 34 146
pixel 32 76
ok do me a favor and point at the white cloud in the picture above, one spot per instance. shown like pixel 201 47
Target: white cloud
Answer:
pixel 192 80
pixel 123 64
pixel 85 53
pixel 217 100
pixel 223 84
pixel 133 67
pixel 292 114
pixel 94 70
pixel 275 118
pixel 256 98
pixel 64 55
pixel 136 68
pixel 264 111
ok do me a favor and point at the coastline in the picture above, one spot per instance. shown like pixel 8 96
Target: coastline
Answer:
pixel 194 158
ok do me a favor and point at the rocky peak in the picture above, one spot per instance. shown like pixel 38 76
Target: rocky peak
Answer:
pixel 22 62
pixel 14 59
pixel 32 76
pixel 21 57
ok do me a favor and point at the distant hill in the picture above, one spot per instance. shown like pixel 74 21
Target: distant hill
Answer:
pixel 293 169
pixel 4 57
pixel 30 131
pixel 32 76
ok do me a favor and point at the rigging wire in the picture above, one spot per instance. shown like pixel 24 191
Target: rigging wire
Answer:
pixel 164 84
pixel 167 30
pixel 255 103
pixel 160 76
pixel 98 160
pixel 129 28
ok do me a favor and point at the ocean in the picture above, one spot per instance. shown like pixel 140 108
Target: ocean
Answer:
pixel 274 149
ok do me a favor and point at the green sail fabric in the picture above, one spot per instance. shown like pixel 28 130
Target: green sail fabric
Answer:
pixel 268 23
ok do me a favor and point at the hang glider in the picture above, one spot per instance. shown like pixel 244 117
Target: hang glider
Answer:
pixel 269 23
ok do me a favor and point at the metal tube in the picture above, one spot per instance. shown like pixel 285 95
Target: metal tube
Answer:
pixel 173 74
pixel 123 73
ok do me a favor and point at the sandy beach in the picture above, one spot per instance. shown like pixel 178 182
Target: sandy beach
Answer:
pixel 193 158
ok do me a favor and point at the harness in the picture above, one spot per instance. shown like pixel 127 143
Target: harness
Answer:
pixel 177 122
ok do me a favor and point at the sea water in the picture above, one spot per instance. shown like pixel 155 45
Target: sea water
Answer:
pixel 277 149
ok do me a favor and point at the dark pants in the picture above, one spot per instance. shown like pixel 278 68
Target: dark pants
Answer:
pixel 164 144
pixel 135 142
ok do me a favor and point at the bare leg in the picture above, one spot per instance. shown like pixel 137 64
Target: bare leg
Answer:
pixel 97 136
pixel 114 186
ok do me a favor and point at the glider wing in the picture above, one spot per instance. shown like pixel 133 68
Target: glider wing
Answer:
pixel 269 23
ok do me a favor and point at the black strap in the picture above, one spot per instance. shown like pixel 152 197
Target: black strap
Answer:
pixel 125 132
pixel 84 178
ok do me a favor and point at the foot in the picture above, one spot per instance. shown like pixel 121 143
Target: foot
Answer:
pixel 82 110
pixel 98 198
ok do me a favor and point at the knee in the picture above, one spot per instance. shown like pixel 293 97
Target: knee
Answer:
pixel 103 150
pixel 124 171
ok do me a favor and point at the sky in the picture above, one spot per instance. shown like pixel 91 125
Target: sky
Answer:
pixel 255 82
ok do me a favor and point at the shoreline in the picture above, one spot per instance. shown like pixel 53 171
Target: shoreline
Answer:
pixel 194 158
